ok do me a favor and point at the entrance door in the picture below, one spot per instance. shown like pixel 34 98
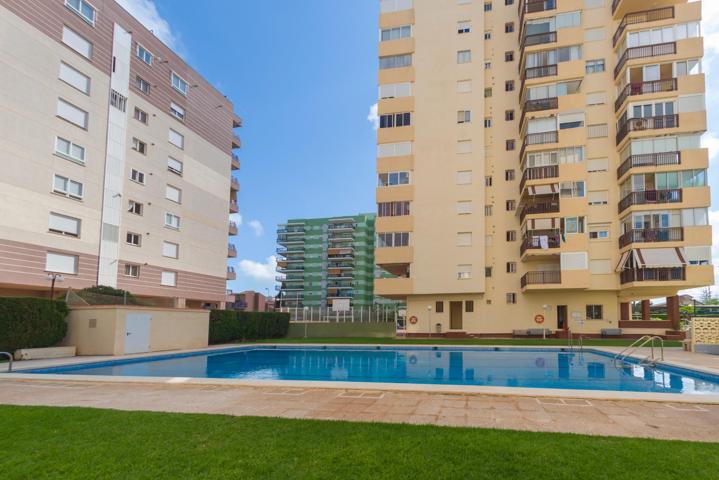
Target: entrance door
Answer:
pixel 137 332
pixel 455 315
pixel 562 317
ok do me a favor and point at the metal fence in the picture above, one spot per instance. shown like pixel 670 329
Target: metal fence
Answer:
pixel 369 314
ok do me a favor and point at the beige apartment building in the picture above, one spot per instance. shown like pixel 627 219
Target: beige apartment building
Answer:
pixel 116 158
pixel 540 165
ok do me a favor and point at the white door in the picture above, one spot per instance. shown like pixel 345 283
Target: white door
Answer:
pixel 137 332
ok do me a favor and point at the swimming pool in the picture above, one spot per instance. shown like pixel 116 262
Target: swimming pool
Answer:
pixel 476 366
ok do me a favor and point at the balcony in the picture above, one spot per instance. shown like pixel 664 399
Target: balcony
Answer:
pixel 641 17
pixel 534 6
pixel 291 231
pixel 540 72
pixel 235 162
pixel 236 142
pixel 644 52
pixel 653 275
pixel 539 39
pixel 341 238
pixel 538 173
pixel 231 251
pixel 648 235
pixel 340 227
pixel 291 252
pixel 538 139
pixel 293 279
pixel 538 105
pixel 541 278
pixel 234 184
pixel 533 242
pixel 646 123
pixel 650 197
pixel 645 88
pixel 232 229
pixel 649 160
pixel 231 275
pixel 234 207
pixel 539 209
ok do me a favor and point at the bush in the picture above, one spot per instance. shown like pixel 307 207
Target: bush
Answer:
pixel 31 323
pixel 232 326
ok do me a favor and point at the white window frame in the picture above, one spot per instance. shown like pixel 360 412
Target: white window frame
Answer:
pixel 72 81
pixel 78 10
pixel 138 53
pixel 133 234
pixel 76 42
pixel 129 267
pixel 69 156
pixel 177 111
pixel 173 169
pixel 84 124
pixel 65 191
pixel 181 146
pixel 171 224
pixel 140 176
pixel 139 113
pixel 180 82
pixel 66 233
pixel 57 255
pixel 168 189
pixel 165 276
pixel 130 207
pixel 174 245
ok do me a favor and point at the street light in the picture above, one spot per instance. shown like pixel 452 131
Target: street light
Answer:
pixel 54 277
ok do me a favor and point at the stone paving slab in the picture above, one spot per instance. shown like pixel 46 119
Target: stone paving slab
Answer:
pixel 660 420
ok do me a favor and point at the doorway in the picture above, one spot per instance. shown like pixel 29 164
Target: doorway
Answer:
pixel 562 317
pixel 137 332
pixel 455 315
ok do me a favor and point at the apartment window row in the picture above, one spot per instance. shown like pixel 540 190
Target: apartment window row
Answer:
pixel 395 33
pixel 395 61
pixel 468 306
pixel 552 57
pixel 392 120
pixel 389 6
pixel 393 209
pixel 393 239
pixel 395 90
pixel 654 36
pixel 392 179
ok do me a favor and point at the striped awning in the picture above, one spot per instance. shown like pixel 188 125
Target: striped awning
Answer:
pixel 543 189
pixel 623 261
pixel 659 257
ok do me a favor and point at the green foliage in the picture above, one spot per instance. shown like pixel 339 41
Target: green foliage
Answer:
pixel 104 295
pixel 232 326
pixel 31 323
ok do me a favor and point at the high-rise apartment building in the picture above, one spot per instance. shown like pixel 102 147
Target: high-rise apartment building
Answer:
pixel 116 158
pixel 325 260
pixel 539 163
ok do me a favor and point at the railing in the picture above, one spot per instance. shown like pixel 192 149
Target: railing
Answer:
pixel 234 184
pixel 539 39
pixel 235 161
pixel 290 230
pixel 232 228
pixel 621 357
pixel 234 207
pixel 644 88
pixel 673 195
pixel 539 208
pixel 538 139
pixel 646 123
pixel 653 275
pixel 538 105
pixel 642 17
pixel 541 278
pixel 532 242
pixel 538 173
pixel 643 52
pixel 231 250
pixel 340 226
pixel 539 72
pixel 645 235
pixel 649 160
pixel 290 251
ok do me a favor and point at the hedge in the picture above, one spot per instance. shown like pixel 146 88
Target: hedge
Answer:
pixel 31 323
pixel 232 326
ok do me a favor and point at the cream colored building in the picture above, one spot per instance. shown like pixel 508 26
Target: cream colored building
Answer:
pixel 116 158
pixel 542 163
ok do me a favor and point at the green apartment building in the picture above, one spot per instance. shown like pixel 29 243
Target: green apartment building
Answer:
pixel 322 260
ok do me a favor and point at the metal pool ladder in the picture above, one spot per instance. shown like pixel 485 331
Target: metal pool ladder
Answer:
pixel 580 342
pixel 9 356
pixel 621 357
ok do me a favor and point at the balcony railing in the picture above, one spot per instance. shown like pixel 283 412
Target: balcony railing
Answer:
pixel 533 242
pixel 235 162
pixel 642 17
pixel 234 207
pixel 539 208
pixel 541 278
pixel 538 139
pixel 231 250
pixel 643 52
pixel 648 235
pixel 644 88
pixel 231 275
pixel 538 105
pixel 646 123
pixel 649 160
pixel 234 184
pixel 340 226
pixel 653 275
pixel 538 173
pixel 539 72
pixel 232 228
pixel 533 6
pixel 650 196
pixel 539 39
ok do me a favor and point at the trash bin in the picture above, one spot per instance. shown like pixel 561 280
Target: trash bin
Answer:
pixel 438 328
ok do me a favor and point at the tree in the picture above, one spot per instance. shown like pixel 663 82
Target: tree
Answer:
pixel 706 296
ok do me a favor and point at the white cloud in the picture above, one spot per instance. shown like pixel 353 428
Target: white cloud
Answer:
pixel 373 116
pixel 710 140
pixel 258 270
pixel 256 227
pixel 710 27
pixel 145 11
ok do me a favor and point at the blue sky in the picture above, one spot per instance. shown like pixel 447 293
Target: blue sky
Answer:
pixel 302 74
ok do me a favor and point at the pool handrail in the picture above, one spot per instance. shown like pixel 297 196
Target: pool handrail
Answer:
pixel 639 343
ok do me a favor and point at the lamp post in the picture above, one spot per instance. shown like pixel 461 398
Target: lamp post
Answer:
pixel 54 277
pixel 429 320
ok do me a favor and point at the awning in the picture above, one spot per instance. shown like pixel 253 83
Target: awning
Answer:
pixel 659 257
pixel 543 189
pixel 623 261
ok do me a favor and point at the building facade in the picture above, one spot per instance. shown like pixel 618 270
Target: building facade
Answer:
pixel 325 260
pixel 117 158
pixel 539 163
pixel 251 301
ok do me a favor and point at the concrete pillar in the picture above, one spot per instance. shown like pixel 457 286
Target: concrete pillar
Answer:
pixel 673 311
pixel 625 313
pixel 646 313
pixel 178 302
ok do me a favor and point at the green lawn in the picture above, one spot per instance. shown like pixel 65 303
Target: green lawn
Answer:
pixel 77 443
pixel 465 341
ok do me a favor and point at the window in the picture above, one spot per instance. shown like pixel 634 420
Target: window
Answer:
pixel 464 239
pixel 132 270
pixel 509 2
pixel 464 146
pixel 132 238
pixel 511 267
pixel 387 6
pixel 394 149
pixel 76 42
pixel 511 235
pixel 464 56
pixel 487 123
pixel 395 120
pixel 177 111
pixel 139 146
pixel 64 225
pixel 488 92
pixel 464 177
pixel 393 209
pixel 488 210
pixel 464 272
pixel 509 175
pixel 118 101
pixel 599 232
pixel 61 263
pixel 488 181
pixel 597 131
pixel 179 84
pixel 509 27
pixel 487 65
pixel 464 116
pixel 464 27
pixel 509 86
pixel 511 205
pixel 134 207
pixel 571 189
pixel 511 298
pixel 170 250
pixel 144 54
pixel 392 239
pixel 464 86
pixel 67 187
pixel 439 307
pixel 508 56
pixel 172 221
pixel 69 150
pixel 142 85
pixel 600 197
pixel 71 113
pixel 488 6
pixel 395 33
pixel 174 165
pixel 176 138
pixel 395 61
pixel 487 35
pixel 488 272
pixel 392 179
pixel 509 145
pixel 573 225
pixel 173 193
pixel 509 115
pixel 74 78
pixel 594 66
pixel 464 207
pixel 168 279
pixel 595 312
pixel 83 9
pixel 596 98
pixel 469 306
pixel 137 176
pixel 597 165
pixel 395 90
pixel 141 116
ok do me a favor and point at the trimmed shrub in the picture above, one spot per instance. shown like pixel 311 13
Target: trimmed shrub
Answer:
pixel 31 323
pixel 233 326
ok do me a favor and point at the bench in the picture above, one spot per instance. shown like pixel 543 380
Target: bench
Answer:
pixel 531 332
pixel 611 332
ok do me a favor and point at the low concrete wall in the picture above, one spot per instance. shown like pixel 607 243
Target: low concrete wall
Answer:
pixel 100 330
pixel 339 330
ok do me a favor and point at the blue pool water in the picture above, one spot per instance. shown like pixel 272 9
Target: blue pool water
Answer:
pixel 502 367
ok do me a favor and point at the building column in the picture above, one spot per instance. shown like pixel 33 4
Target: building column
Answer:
pixel 673 311
pixel 646 313
pixel 625 312
pixel 178 302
